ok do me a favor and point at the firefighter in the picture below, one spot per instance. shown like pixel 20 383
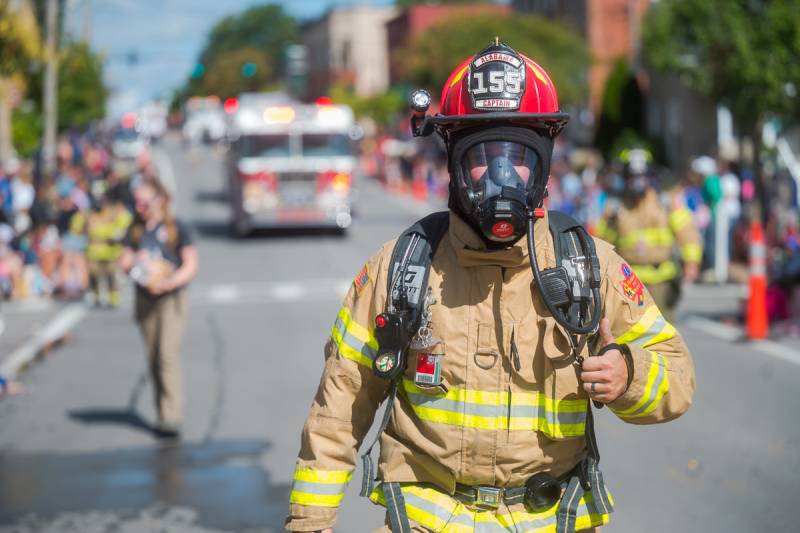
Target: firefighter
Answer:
pixel 106 226
pixel 647 228
pixel 485 347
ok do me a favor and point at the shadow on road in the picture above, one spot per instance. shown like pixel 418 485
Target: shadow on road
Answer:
pixel 121 417
pixel 190 486
pixel 210 196
pixel 215 229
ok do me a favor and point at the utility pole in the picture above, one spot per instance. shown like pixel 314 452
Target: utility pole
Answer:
pixel 86 30
pixel 50 87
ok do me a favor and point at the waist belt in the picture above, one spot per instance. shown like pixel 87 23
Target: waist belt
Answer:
pixel 487 496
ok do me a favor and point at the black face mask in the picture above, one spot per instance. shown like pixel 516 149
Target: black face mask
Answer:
pixel 497 176
pixel 636 186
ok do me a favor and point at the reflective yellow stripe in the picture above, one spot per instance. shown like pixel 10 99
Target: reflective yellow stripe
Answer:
pixel 604 231
pixel 656 387
pixel 651 329
pixel 437 511
pixel 650 274
pixel 650 236
pixel 322 476
pixel 322 488
pixel 494 411
pixel 679 218
pixel 354 341
pixel 692 253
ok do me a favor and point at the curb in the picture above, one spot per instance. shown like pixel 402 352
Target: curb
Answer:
pixel 54 334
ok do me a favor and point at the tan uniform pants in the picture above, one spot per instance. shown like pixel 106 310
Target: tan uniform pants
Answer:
pixel 161 320
pixel 104 272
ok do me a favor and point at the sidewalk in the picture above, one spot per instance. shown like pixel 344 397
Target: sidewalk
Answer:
pixel 718 310
pixel 31 328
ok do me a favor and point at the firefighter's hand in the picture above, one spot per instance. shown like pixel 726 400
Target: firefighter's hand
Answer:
pixel 605 377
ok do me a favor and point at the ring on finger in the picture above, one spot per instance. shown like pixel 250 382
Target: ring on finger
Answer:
pixel 593 389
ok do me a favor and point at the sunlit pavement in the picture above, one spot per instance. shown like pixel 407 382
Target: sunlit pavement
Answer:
pixel 76 453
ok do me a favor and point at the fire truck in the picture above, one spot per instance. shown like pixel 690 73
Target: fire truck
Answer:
pixel 290 165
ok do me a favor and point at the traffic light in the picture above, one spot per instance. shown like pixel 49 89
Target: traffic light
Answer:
pixel 249 69
pixel 198 70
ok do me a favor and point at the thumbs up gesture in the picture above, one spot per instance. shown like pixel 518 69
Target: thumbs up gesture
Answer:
pixel 605 377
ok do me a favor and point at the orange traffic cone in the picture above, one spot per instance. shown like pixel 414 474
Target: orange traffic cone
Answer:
pixel 419 189
pixel 757 320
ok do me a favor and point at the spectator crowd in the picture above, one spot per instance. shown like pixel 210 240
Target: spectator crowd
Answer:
pixel 719 193
pixel 61 236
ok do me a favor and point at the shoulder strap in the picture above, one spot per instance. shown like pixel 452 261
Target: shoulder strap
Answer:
pixel 411 261
pixel 409 268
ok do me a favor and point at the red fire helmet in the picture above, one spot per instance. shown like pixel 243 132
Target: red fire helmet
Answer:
pixel 500 85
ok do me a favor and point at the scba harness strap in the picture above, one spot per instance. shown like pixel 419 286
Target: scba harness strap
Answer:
pixel 569 284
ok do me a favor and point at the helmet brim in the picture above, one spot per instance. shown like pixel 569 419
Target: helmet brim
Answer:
pixel 552 122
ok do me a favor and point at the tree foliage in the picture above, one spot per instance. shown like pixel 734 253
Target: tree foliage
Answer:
pixel 381 108
pixel 741 53
pixel 81 92
pixel 260 32
pixel 225 79
pixel 20 42
pixel 559 50
pixel 621 115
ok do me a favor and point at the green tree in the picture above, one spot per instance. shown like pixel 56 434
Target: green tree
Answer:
pixel 228 75
pixel 81 92
pixel 621 115
pixel 264 29
pixel 559 50
pixel 741 53
pixel 382 108
pixel 20 45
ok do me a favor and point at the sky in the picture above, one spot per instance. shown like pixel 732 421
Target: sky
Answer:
pixel 167 36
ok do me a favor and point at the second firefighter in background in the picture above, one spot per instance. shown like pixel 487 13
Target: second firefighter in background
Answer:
pixel 655 233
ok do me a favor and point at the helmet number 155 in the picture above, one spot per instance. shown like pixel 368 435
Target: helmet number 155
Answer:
pixel 499 82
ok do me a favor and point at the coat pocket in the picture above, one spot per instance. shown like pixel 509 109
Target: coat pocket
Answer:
pixel 565 401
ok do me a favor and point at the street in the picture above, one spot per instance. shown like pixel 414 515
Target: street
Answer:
pixel 76 454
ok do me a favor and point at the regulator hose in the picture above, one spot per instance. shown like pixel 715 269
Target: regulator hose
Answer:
pixel 576 329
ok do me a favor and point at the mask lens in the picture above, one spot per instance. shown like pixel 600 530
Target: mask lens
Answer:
pixel 504 163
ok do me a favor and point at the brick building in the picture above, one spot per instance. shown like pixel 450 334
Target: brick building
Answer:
pixel 348 46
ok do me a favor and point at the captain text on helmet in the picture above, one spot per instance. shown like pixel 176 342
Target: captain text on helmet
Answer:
pixel 490 332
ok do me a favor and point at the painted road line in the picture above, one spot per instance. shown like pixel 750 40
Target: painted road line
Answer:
pixel 59 326
pixel 717 329
pixel 734 334
pixel 265 292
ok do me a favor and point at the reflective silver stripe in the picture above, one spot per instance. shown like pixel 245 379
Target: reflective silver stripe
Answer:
pixel 310 487
pixel 654 329
pixel 353 342
pixel 653 390
pixel 494 411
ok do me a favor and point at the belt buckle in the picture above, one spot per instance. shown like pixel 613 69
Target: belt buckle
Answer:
pixel 488 496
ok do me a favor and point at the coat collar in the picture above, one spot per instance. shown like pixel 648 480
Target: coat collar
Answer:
pixel 471 251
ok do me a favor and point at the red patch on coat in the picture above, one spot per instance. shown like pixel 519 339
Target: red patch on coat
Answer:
pixel 361 279
pixel 632 286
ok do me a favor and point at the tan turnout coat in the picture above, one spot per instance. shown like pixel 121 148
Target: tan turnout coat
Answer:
pixel 488 423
